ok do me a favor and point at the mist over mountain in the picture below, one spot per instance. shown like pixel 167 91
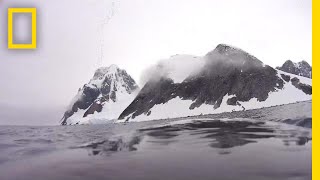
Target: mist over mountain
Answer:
pixel 224 80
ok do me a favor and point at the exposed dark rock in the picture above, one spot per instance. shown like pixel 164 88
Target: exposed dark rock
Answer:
pixel 301 68
pixel 232 101
pixel 228 70
pixel 295 81
pixel 89 94
pixel 95 107
pixel 303 87
pixel 151 94
pixel 102 87
pixel 285 77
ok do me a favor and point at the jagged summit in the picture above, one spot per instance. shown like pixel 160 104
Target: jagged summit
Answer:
pixel 225 79
pixel 100 72
pixel 225 48
pixel 105 76
pixel 301 68
pixel 233 53
pixel 108 90
pixel 224 58
pixel 113 68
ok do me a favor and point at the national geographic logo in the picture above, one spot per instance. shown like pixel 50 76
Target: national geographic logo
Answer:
pixel 13 43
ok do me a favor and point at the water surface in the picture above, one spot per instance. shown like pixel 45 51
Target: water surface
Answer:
pixel 220 148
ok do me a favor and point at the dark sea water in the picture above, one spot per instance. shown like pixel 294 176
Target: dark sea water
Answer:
pixel 272 143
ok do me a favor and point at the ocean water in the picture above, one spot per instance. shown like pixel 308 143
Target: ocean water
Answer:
pixel 271 143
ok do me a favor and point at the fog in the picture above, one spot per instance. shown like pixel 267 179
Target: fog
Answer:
pixel 180 67
pixel 75 37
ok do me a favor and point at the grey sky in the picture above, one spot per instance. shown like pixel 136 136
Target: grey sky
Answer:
pixel 140 33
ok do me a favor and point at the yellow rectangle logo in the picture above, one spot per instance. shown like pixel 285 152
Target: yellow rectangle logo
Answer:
pixel 33 12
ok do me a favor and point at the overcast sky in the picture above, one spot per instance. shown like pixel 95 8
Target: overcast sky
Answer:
pixel 137 34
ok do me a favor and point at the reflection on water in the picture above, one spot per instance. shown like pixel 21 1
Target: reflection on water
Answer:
pixel 106 147
pixel 222 134
pixel 251 145
pixel 216 133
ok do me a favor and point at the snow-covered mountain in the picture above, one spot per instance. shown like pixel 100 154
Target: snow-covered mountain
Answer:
pixel 301 68
pixel 106 95
pixel 224 80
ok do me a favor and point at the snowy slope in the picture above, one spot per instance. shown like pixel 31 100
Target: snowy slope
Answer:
pixel 180 108
pixel 227 79
pixel 106 95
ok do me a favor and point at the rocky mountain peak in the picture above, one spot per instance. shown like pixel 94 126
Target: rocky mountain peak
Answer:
pixel 224 48
pixel 113 68
pixel 102 71
pixel 231 57
pixel 108 85
pixel 304 64
pixel 229 79
pixel 301 68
